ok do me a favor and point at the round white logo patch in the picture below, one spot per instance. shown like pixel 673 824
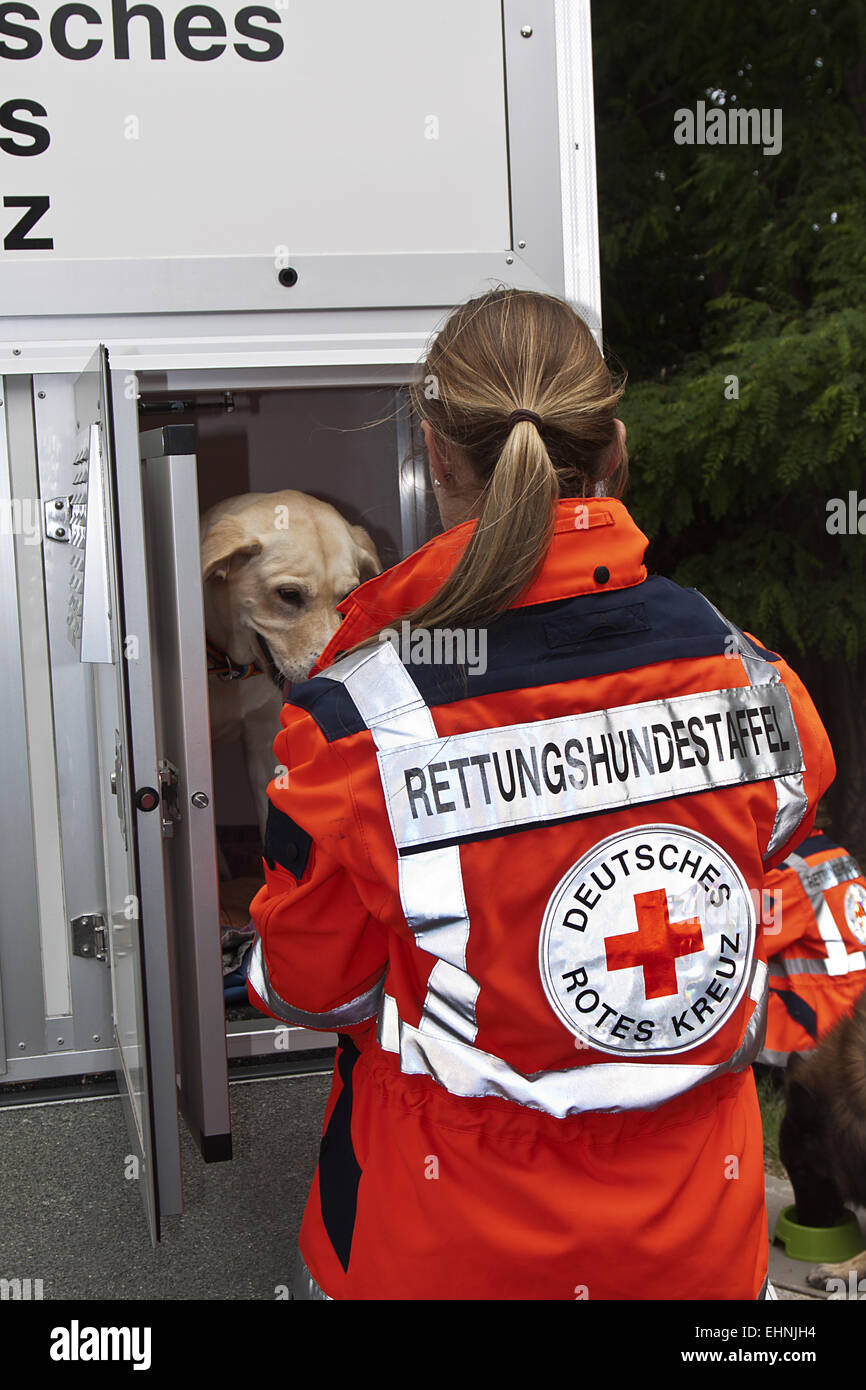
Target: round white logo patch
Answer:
pixel 646 943
pixel 855 910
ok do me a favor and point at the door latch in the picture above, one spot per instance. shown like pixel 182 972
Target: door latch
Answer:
pixel 118 789
pixel 169 787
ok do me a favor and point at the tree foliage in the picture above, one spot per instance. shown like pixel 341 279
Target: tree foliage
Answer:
pixel 734 293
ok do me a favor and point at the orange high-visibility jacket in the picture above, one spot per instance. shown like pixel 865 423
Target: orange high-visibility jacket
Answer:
pixel 525 891
pixel 815 928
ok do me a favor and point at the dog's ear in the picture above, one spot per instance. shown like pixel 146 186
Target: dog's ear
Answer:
pixel 369 563
pixel 227 543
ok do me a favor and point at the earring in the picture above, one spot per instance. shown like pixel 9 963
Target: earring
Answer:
pixel 436 482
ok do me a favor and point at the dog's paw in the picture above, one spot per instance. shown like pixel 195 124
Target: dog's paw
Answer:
pixel 819 1276
pixel 844 1280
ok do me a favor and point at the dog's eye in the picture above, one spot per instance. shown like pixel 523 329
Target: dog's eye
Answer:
pixel 293 597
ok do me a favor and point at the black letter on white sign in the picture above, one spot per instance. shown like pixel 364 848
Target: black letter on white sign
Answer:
pixel 32 39
pixel 121 16
pixel 14 241
pixel 245 26
pixel 59 38
pixel 10 121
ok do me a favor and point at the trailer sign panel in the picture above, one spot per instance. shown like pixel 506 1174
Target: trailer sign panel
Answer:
pixel 159 129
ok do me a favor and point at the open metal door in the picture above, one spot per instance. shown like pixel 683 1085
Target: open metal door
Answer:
pixel 108 612
pixel 170 492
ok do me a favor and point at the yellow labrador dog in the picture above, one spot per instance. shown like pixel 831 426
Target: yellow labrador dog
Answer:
pixel 274 567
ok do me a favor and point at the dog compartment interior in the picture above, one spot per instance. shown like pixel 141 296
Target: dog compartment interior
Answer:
pixel 350 446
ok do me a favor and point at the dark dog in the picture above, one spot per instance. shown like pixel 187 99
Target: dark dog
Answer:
pixel 822 1140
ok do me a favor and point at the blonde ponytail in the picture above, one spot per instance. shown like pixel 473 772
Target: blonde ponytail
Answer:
pixel 515 352
pixel 509 541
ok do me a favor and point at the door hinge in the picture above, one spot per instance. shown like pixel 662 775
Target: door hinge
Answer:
pixel 58 516
pixel 88 936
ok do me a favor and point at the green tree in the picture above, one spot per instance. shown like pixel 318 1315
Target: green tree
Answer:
pixel 734 293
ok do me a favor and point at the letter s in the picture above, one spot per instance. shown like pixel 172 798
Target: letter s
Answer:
pixel 32 40
pixel 577 763
pixel 274 42
pixel 10 121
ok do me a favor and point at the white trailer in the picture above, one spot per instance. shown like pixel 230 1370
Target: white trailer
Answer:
pixel 228 233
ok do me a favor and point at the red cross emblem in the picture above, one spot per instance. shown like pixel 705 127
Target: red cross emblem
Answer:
pixel 656 945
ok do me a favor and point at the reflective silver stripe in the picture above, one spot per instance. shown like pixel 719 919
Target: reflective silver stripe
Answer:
pixel 839 960
pixel 610 1086
pixel 449 1005
pixel 444 789
pixel 431 884
pixel 343 1016
pixel 791 800
pixel 443 930
pixel 756 1028
pixel 816 879
pixel 304 1287
pixel 767 1058
pixel 791 806
pixel 783 966
pixel 386 697
pixel 434 904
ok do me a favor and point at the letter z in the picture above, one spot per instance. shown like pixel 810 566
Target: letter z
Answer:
pixel 16 239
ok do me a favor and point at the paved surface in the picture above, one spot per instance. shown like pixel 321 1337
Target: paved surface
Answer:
pixel 70 1218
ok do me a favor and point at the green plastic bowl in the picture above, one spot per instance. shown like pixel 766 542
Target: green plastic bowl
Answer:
pixel 819 1244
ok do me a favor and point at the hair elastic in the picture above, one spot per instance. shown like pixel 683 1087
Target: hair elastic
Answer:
pixel 525 415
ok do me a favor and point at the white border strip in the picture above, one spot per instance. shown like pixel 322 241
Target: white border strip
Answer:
pixel 577 161
pixel 41 754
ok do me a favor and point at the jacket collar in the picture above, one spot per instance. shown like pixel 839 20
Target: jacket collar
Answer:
pixel 595 547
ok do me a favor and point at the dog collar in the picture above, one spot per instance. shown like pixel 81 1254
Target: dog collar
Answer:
pixel 220 664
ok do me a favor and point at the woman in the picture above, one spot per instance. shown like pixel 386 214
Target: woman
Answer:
pixel 522 886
